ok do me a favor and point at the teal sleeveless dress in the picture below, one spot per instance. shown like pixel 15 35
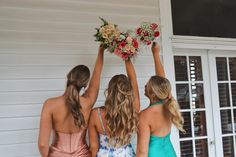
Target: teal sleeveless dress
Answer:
pixel 160 146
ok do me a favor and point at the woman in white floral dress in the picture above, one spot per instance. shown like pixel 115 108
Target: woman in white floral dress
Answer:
pixel 111 126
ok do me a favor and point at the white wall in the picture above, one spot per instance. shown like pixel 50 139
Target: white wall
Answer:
pixel 40 41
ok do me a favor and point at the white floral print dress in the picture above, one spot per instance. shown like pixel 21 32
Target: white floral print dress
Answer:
pixel 105 150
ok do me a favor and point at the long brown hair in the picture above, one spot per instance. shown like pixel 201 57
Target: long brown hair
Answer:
pixel 161 88
pixel 121 115
pixel 77 79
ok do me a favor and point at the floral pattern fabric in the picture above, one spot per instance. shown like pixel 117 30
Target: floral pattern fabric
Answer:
pixel 108 151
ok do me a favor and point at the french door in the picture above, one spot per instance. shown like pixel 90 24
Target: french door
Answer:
pixel 206 91
pixel 223 71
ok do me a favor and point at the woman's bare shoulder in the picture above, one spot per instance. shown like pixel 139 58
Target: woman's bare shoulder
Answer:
pixel 85 101
pixel 51 103
pixel 147 115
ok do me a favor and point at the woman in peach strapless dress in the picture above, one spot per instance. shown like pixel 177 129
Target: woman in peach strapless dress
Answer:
pixel 69 145
pixel 67 115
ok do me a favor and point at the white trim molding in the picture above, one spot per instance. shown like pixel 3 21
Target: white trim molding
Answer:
pixel 207 43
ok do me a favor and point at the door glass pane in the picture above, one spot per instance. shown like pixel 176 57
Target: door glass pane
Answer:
pixel 233 89
pixel 201 148
pixel 187 125
pixel 181 73
pixel 228 146
pixel 226 121
pixel 234 120
pixel 197 95
pixel 195 67
pixel 186 148
pixel 182 91
pixel 232 66
pixel 221 66
pixel 199 119
pixel 223 89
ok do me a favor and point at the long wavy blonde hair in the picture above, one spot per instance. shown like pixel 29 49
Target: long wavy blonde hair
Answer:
pixel 77 78
pixel 121 115
pixel 161 88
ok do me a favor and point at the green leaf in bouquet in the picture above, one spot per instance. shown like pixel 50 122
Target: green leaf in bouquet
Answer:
pixel 103 20
pixel 122 37
pixel 105 46
pixel 95 35
pixel 111 49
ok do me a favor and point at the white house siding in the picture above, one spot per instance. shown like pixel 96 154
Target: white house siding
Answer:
pixel 40 41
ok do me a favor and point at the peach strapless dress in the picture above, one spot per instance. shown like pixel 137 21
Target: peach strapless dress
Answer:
pixel 69 145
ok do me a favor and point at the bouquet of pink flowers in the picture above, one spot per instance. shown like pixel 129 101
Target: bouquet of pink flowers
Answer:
pixel 147 32
pixel 107 33
pixel 125 46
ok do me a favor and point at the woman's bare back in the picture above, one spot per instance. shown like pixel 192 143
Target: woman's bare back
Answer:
pixel 62 118
pixel 159 124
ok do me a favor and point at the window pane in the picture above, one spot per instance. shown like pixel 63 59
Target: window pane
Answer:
pixel 233 89
pixel 223 89
pixel 201 148
pixel 234 120
pixel 232 66
pixel 228 146
pixel 197 95
pixel 199 119
pixel 182 91
pixel 221 66
pixel 187 125
pixel 181 73
pixel 226 121
pixel 195 67
pixel 205 18
pixel 186 148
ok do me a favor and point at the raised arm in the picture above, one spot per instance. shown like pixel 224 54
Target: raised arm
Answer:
pixel 157 61
pixel 132 76
pixel 143 136
pixel 93 88
pixel 45 130
pixel 93 135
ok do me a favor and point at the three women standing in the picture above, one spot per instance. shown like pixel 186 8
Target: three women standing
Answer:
pixel 111 126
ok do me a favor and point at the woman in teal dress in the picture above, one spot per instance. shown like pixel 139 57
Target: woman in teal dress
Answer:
pixel 156 120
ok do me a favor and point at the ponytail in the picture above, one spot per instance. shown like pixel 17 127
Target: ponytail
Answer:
pixel 72 100
pixel 77 78
pixel 172 109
